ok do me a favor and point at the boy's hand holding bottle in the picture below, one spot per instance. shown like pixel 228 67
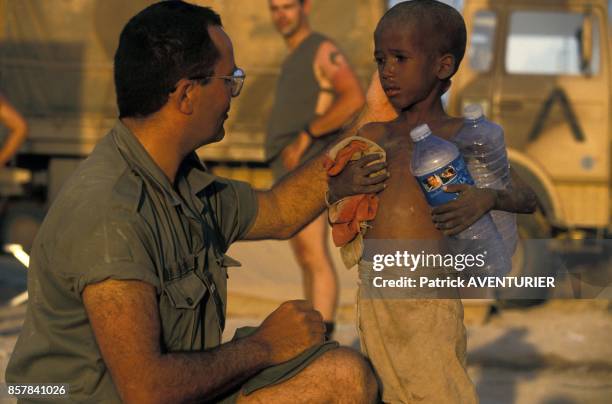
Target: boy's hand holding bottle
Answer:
pixel 471 204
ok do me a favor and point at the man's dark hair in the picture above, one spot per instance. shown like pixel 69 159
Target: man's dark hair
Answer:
pixel 440 27
pixel 160 45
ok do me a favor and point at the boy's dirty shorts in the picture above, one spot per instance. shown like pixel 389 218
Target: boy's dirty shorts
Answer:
pixel 417 344
pixel 275 374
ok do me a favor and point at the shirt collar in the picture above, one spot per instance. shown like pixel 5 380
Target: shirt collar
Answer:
pixel 196 173
pixel 191 169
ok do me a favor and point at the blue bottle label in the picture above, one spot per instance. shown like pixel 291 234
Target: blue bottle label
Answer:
pixel 453 173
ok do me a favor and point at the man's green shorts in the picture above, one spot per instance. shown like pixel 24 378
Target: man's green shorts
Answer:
pixel 279 373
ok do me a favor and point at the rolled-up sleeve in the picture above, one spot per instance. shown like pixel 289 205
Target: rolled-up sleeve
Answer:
pixel 117 248
pixel 235 209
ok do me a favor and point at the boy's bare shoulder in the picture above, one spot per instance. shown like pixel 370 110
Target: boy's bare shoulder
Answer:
pixel 455 122
pixel 449 128
pixel 375 131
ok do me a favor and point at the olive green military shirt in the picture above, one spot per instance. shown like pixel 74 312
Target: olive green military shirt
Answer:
pixel 119 217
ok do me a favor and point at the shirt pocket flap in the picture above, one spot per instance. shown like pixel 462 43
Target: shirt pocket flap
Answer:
pixel 228 261
pixel 187 291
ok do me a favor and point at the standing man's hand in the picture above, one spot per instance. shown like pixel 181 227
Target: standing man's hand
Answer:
pixel 357 178
pixel 292 154
pixel 290 330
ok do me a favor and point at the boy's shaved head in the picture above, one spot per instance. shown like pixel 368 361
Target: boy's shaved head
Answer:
pixel 440 27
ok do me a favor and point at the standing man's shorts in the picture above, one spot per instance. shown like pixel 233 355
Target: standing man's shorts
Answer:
pixel 279 373
pixel 278 168
pixel 416 345
pixel 316 148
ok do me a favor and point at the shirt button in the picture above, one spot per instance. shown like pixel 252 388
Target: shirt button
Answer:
pixel 189 301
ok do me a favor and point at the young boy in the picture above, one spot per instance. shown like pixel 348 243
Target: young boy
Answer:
pixel 418 346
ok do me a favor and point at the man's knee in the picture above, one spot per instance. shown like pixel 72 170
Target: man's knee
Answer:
pixel 347 367
pixel 338 376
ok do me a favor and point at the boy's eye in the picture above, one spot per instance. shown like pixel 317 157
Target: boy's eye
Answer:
pixel 400 58
pixel 379 61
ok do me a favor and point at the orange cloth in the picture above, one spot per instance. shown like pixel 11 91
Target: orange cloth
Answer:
pixel 335 166
pixel 346 222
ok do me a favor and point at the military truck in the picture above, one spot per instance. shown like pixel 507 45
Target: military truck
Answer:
pixel 542 70
pixel 56 68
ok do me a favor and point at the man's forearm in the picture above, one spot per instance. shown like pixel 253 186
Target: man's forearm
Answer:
pixel 179 377
pixel 296 200
pixel 343 109
pixel 124 316
pixel 292 203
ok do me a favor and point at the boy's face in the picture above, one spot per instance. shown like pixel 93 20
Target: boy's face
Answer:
pixel 407 73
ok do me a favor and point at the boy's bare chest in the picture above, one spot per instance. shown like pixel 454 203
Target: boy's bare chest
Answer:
pixel 403 211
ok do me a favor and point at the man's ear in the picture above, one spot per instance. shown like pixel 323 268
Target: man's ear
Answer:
pixel 446 66
pixel 182 96
pixel 307 6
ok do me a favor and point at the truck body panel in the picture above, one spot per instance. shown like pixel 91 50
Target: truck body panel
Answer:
pixel 524 65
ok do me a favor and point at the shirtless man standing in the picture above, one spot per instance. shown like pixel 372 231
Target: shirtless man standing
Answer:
pixel 317 93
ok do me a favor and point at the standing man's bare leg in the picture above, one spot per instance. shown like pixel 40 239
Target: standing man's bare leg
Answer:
pixel 320 280
pixel 317 93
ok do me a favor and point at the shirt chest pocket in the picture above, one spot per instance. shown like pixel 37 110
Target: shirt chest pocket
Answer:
pixel 187 291
pixel 192 307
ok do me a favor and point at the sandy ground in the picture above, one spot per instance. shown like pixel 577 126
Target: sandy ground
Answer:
pixel 555 353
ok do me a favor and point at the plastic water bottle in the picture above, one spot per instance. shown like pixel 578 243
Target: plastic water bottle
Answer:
pixel 481 142
pixel 436 163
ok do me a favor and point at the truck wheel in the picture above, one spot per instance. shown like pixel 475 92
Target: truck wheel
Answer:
pixel 530 259
pixel 20 223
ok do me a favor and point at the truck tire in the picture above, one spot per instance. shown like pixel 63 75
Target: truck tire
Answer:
pixel 530 259
pixel 20 222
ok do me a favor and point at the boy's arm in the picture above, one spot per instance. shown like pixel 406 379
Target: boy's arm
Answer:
pixel 454 217
pixel 520 198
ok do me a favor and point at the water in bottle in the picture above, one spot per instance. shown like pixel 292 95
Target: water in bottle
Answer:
pixel 481 142
pixel 436 163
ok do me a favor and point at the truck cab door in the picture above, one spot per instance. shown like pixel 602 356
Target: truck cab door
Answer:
pixel 475 81
pixel 554 106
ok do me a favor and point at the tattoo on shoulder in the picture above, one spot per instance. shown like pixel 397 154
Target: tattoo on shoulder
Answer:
pixel 335 57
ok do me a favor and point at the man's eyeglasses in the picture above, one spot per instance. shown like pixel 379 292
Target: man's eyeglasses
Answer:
pixel 236 80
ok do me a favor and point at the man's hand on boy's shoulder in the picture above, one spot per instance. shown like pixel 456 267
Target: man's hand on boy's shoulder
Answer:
pixel 471 204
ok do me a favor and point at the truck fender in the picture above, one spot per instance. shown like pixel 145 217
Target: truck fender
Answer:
pixel 537 178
